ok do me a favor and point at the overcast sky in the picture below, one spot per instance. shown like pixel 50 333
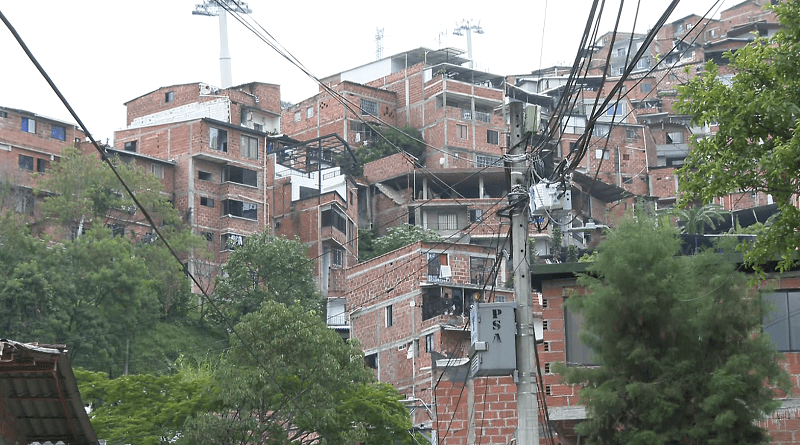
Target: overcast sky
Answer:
pixel 103 53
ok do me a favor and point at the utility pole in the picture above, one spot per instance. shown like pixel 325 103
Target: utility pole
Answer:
pixel 467 27
pixel 220 8
pixel 527 403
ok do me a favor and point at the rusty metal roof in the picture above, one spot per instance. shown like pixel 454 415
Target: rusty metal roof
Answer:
pixel 39 398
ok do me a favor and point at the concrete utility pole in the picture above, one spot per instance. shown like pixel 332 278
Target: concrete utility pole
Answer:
pixel 527 403
pixel 467 27
pixel 220 8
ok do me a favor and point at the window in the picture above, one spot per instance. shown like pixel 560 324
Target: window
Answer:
pixel 41 165
pixel 206 201
pixel 675 137
pixel 782 322
pixel 203 176
pixel 130 146
pixel 438 267
pixel 672 77
pixel 169 96
pixel 298 116
pixel 577 352
pixel 26 162
pixel 601 130
pixel 646 87
pixel 630 133
pixel 29 125
pixel 156 170
pixel 429 343
pixel 480 270
pixel 448 221
pixel 337 257
pixel 466 115
pixel 209 236
pixel 475 215
pixel 369 107
pixel 462 131
pixel 247 210
pixel 643 63
pixel 333 218
pixel 309 112
pixel 249 147
pixel 58 132
pixel 620 52
pixel 240 175
pixel 492 137
pixel 371 360
pixel 388 313
pixel 218 139
pixel 231 241
pixel 3 114
pixel 599 153
pixel 482 161
pixel 617 109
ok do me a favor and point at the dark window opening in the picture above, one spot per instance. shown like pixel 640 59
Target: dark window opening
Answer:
pixel 389 319
pixel 130 146
pixel 332 218
pixel 209 236
pixel 29 125
pixel 429 343
pixel 241 209
pixel 480 270
pixel 438 301
pixel 371 360
pixel 218 139
pixel 41 165
pixel 204 176
pixel 206 201
pixel 782 321
pixel 240 175
pixel 492 137
pixel 26 162
pixel 578 353
pixel 169 96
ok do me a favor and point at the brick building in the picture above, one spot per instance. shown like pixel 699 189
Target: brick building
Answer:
pixel 409 310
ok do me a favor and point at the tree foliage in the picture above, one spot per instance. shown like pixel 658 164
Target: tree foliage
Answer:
pixel 266 268
pixel 395 238
pixel 145 409
pixel 683 359
pixel 756 148
pixel 290 379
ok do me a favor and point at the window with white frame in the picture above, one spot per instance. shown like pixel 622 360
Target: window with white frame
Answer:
pixel 309 112
pixel 156 170
pixel 337 257
pixel 388 316
pixel 675 137
pixel 617 109
pixel 599 153
pixel 28 125
pixel 482 161
pixel 231 241
pixel 298 116
pixel 429 343
pixel 448 221
pixel 601 130
pixel 438 267
pixel 492 137
pixel 249 146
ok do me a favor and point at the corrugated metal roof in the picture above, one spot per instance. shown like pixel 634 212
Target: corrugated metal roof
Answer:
pixel 39 395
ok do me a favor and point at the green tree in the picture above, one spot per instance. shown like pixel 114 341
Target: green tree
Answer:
pixel 266 268
pixel 395 238
pixel 390 141
pixel 679 342
pixel 290 379
pixel 145 409
pixel 693 220
pixel 756 148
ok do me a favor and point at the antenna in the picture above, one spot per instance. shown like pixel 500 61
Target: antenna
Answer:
pixel 468 27
pixel 378 43
pixel 215 8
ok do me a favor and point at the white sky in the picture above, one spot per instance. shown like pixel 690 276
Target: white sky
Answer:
pixel 103 53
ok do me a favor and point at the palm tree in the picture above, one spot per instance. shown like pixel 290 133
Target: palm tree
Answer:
pixel 694 220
